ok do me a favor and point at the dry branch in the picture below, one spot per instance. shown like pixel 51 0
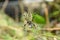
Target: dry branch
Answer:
pixel 51 29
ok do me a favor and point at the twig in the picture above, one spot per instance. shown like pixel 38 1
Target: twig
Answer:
pixel 51 29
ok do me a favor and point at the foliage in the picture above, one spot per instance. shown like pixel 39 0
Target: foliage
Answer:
pixel 10 30
pixel 38 19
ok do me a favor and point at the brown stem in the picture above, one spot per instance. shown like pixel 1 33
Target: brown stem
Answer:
pixel 5 4
pixel 46 15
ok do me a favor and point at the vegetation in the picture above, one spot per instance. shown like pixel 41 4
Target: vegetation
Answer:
pixel 11 30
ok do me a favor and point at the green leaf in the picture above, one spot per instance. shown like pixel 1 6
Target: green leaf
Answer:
pixel 38 19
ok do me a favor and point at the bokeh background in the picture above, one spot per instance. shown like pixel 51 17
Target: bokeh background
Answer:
pixel 29 19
